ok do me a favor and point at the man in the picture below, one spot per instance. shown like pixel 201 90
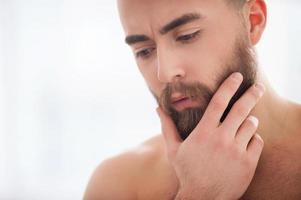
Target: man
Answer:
pixel 226 133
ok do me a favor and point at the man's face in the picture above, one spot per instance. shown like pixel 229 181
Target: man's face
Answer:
pixel 185 49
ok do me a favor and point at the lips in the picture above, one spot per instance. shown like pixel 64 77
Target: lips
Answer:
pixel 177 97
pixel 178 100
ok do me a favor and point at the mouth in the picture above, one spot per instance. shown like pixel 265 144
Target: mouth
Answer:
pixel 183 102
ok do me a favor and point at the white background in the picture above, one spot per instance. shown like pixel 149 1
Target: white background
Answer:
pixel 71 94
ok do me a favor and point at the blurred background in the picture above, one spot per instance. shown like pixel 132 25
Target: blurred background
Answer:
pixel 71 94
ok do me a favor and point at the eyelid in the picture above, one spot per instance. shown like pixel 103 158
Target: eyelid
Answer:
pixel 187 38
pixel 139 51
pixel 141 48
pixel 187 32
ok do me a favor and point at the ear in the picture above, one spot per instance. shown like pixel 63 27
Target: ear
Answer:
pixel 256 19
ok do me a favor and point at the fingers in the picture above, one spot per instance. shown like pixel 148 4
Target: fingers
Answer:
pixel 246 131
pixel 255 148
pixel 242 108
pixel 171 136
pixel 220 100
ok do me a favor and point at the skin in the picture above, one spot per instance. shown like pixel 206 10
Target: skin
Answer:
pixel 253 154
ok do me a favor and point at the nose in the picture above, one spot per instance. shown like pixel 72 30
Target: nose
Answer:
pixel 170 67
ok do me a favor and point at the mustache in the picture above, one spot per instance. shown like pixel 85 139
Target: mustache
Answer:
pixel 193 90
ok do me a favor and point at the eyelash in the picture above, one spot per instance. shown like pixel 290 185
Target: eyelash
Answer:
pixel 189 37
pixel 145 53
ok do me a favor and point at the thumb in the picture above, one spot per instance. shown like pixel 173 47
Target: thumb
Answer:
pixel 170 133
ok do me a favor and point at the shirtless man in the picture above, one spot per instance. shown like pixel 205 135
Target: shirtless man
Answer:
pixel 226 133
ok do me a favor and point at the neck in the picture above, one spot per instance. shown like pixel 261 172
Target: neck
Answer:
pixel 278 118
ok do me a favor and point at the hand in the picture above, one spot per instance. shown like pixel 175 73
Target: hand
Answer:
pixel 217 160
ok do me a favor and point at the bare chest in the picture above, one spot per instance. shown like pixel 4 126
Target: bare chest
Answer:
pixel 278 176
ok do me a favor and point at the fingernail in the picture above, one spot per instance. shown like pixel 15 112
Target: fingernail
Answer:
pixel 254 120
pixel 237 76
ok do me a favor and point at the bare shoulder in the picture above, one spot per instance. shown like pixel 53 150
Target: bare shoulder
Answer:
pixel 118 177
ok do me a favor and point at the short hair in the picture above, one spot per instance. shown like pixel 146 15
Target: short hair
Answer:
pixel 236 3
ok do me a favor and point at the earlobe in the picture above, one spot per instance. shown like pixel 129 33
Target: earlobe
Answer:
pixel 257 20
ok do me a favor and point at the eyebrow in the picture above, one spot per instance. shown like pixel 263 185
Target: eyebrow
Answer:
pixel 184 19
pixel 132 39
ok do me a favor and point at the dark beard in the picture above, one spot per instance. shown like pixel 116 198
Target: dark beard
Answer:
pixel 243 61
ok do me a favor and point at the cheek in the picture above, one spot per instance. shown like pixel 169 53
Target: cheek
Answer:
pixel 149 73
pixel 208 58
pixel 203 62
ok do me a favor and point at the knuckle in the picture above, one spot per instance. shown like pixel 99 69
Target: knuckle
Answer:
pixel 221 142
pixel 248 126
pixel 244 106
pixel 250 123
pixel 241 109
pixel 236 152
pixel 255 94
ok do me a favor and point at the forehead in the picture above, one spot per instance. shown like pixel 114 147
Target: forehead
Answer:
pixel 146 15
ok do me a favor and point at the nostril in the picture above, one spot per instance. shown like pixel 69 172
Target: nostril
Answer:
pixel 177 78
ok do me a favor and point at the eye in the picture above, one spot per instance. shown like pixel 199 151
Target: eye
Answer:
pixel 188 37
pixel 145 53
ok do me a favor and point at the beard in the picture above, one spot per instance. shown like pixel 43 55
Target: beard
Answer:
pixel 243 60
